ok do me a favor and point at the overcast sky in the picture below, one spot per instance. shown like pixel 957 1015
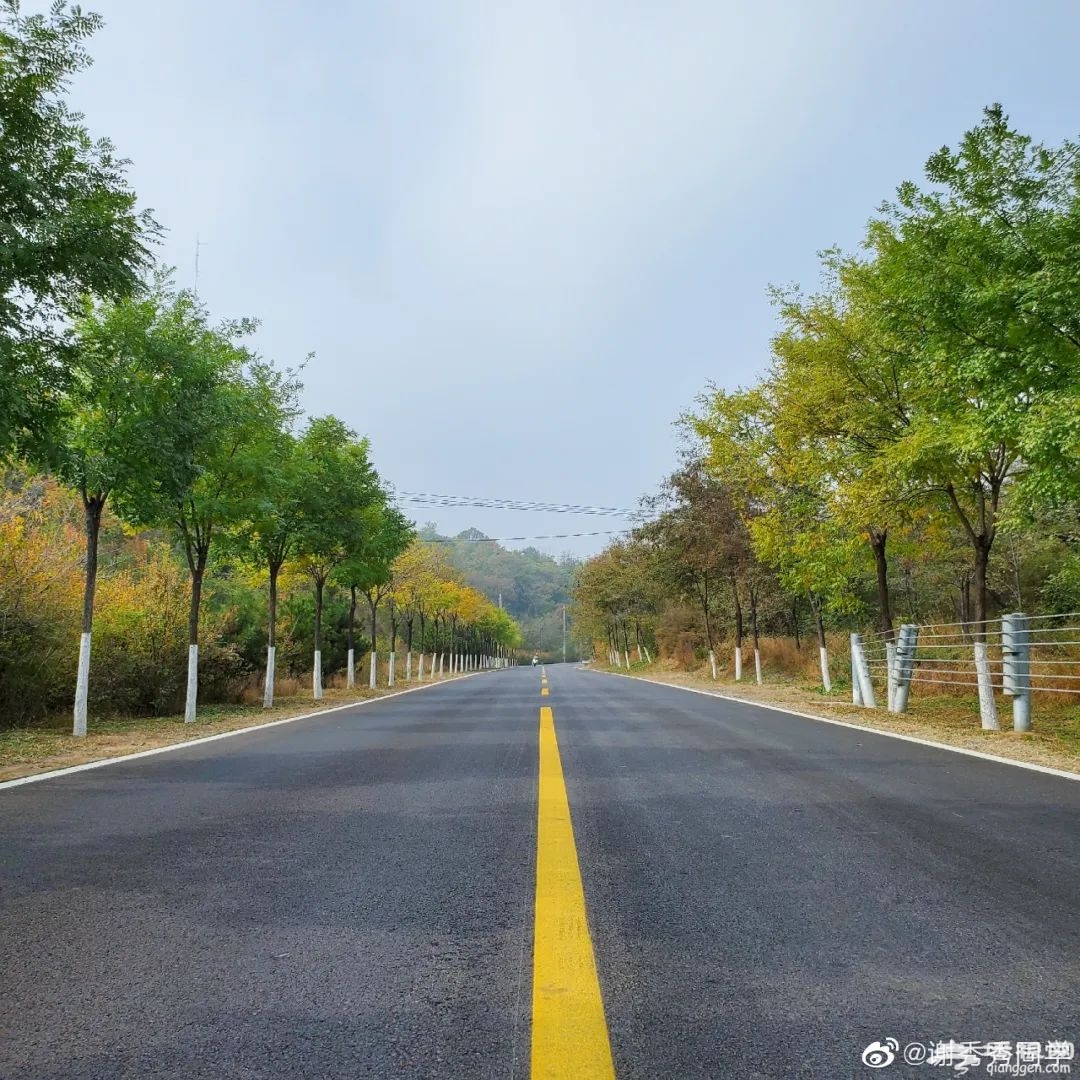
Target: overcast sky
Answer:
pixel 522 237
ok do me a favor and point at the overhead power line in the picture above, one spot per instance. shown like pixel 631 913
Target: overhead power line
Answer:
pixel 421 498
pixel 507 539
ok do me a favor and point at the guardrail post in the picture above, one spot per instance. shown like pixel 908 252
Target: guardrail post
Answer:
pixel 1016 667
pixel 862 673
pixel 905 665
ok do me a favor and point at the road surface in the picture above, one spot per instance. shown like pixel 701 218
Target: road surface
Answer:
pixel 373 893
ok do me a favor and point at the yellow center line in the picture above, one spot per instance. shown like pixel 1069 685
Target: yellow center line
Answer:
pixel 569 1032
pixel 544 691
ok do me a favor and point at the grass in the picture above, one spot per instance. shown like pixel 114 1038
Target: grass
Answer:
pixel 1054 740
pixel 50 744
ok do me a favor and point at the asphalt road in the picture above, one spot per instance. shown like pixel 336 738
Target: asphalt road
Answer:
pixel 352 896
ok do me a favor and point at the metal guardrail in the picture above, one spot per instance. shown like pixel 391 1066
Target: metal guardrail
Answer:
pixel 1016 656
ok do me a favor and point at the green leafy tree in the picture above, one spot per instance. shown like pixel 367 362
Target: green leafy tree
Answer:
pixel 978 275
pixel 211 469
pixel 339 496
pixel 271 535
pixel 380 538
pixel 68 223
pixel 131 366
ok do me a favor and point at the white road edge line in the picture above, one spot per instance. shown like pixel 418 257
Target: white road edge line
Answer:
pixel 51 775
pixel 854 727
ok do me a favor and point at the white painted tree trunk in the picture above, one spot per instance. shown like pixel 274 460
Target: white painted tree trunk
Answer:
pixel 738 665
pixel 626 655
pixel 639 654
pixel 316 676
pixel 82 686
pixel 192 684
pixel 987 705
pixel 408 667
pixel 648 656
pixel 856 687
pixel 350 670
pixel 374 671
pixel 757 665
pixel 712 664
pixel 823 656
pixel 890 675
pixel 420 669
pixel 390 674
pixel 442 657
pixel 268 686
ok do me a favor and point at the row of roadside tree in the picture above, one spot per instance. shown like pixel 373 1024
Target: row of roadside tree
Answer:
pixel 913 446
pixel 126 391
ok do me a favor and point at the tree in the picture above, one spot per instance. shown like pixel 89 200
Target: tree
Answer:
pixel 370 565
pixel 340 498
pixel 416 573
pixel 132 363
pixel 271 535
pixel 700 544
pixel 68 224
pixel 788 486
pixel 210 470
pixel 841 397
pixel 979 276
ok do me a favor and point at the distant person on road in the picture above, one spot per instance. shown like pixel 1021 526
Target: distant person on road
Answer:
pixel 536 660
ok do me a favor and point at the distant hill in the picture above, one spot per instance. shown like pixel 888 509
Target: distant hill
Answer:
pixel 532 584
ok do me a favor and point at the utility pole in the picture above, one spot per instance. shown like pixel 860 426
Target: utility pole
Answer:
pixel 198 244
pixel 564 633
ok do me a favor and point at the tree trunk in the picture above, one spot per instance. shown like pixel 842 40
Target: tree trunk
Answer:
pixel 823 652
pixel 754 629
pixel 795 621
pixel 393 642
pixel 982 560
pixel 316 673
pixel 703 595
pixel 965 602
pixel 738 627
pixel 198 569
pixel 271 637
pixel 350 660
pixel 819 623
pixel 93 507
pixel 373 674
pixel 878 540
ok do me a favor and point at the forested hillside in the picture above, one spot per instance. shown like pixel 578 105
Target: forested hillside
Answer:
pixel 532 585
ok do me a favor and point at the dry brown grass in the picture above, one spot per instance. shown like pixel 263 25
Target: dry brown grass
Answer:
pixel 50 745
